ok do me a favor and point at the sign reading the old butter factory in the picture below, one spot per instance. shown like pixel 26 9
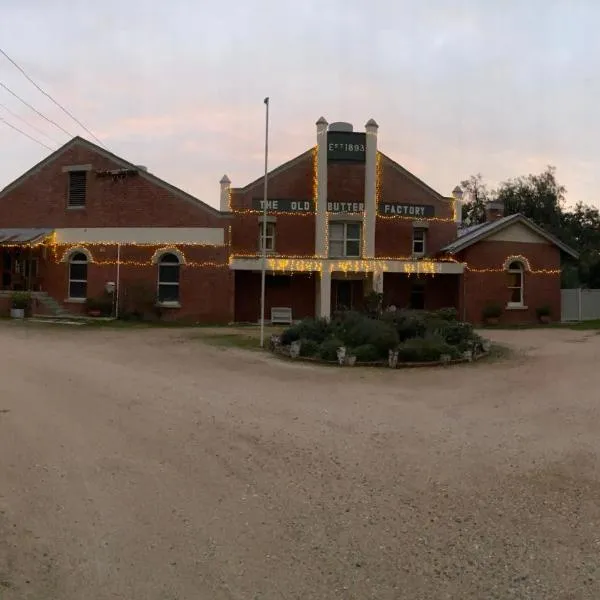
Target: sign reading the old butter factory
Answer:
pixel 418 211
pixel 283 205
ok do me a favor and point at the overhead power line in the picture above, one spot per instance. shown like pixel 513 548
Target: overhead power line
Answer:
pixel 25 134
pixel 67 112
pixel 35 110
pixel 16 116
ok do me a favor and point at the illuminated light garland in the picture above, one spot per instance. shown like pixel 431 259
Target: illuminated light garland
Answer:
pixel 413 218
pixel 137 263
pixel 518 258
pixel 315 175
pixel 137 244
pixel 273 213
pixel 378 178
pixel 408 257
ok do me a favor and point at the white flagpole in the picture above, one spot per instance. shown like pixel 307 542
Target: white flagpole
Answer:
pixel 264 232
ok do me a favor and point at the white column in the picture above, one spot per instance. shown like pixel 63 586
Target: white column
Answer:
pixel 225 189
pixel 378 282
pixel 325 293
pixel 369 217
pixel 321 208
pixel 457 194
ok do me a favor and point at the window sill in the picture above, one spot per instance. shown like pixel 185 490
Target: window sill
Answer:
pixel 75 300
pixel 75 207
pixel 168 304
pixel 516 307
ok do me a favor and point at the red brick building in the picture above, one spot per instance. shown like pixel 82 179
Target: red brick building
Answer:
pixel 84 218
pixel 343 219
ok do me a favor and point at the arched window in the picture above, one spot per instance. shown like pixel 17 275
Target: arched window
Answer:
pixel 168 278
pixel 78 274
pixel 515 283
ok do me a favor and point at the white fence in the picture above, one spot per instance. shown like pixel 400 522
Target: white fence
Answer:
pixel 579 305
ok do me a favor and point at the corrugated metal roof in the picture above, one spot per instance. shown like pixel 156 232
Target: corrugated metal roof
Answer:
pixel 23 236
pixel 478 232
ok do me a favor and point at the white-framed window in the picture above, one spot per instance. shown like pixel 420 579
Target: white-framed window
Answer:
pixel 267 234
pixel 418 242
pixel 78 275
pixel 515 283
pixel 344 239
pixel 168 277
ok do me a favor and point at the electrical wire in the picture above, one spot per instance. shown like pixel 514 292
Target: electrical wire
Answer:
pixel 35 110
pixel 68 113
pixel 16 116
pixel 23 133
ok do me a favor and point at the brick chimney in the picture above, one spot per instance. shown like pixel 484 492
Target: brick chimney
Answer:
pixel 494 210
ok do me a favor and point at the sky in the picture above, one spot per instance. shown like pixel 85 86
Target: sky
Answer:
pixel 458 87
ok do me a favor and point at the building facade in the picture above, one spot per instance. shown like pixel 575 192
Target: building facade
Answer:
pixel 342 220
pixel 83 219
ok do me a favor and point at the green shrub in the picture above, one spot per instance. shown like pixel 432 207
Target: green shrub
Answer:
pixel 357 330
pixel 428 349
pixel 316 330
pixel 455 333
pixel 289 335
pixel 103 304
pixel 408 323
pixel 21 300
pixel 366 353
pixel 309 348
pixel 447 314
pixel 328 349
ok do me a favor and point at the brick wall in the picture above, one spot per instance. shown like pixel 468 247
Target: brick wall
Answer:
pixel 206 293
pixel 41 199
pixel 480 289
pixel 295 234
pixel 297 292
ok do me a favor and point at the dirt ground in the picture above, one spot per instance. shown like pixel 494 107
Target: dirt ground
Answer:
pixel 145 464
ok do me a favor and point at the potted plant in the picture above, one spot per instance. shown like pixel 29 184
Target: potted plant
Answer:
pixel 491 313
pixel 20 302
pixel 100 306
pixel 543 314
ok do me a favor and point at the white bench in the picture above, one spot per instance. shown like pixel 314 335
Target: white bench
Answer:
pixel 282 315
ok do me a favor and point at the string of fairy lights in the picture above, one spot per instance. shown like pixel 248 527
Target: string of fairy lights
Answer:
pixel 288 264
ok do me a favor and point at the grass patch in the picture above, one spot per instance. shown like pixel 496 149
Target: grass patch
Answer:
pixel 231 340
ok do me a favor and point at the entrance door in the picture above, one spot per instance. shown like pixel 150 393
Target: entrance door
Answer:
pixel 346 294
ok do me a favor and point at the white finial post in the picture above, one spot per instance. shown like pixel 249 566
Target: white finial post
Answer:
pixel 225 191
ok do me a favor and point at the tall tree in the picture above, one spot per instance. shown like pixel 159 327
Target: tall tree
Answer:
pixel 476 195
pixel 539 197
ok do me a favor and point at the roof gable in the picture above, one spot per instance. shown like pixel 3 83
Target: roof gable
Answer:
pixel 477 233
pixel 118 160
pixel 388 162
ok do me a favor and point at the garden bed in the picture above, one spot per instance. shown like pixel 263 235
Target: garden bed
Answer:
pixel 396 339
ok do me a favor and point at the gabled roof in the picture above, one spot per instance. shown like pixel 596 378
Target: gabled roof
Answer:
pixel 79 141
pixel 23 236
pixel 414 178
pixel 280 169
pixel 476 233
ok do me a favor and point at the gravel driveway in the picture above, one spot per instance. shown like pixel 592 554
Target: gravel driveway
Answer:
pixel 144 464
